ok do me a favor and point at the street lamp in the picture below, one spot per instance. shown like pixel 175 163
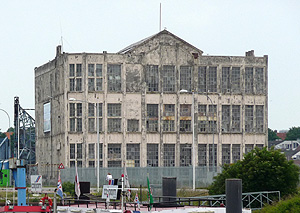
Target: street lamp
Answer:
pixel 213 148
pixel 193 140
pixel 98 139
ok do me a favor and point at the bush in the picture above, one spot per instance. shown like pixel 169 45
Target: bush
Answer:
pixel 288 205
pixel 69 188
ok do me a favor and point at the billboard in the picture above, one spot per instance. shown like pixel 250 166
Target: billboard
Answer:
pixel 47 117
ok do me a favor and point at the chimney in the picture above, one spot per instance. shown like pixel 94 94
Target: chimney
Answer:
pixel 58 50
pixel 250 53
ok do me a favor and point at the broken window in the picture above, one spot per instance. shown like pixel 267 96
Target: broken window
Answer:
pixel 152 117
pixel 91 84
pixel 202 155
pixel 225 79
pixel 259 118
pixel 152 78
pixel 113 110
pixel 169 155
pixel 75 117
pixel 79 151
pixel 133 155
pixel 211 151
pixel 168 125
pixel 114 78
pixel 225 118
pixel 168 119
pixel 235 80
pixel 132 125
pixel 236 152
pixel 169 78
pixel 202 118
pixel 152 155
pixel 91 151
pixel 259 78
pixel 169 110
pixel 185 154
pixel 185 125
pixel 185 118
pixel 114 151
pixel 114 124
pixel 236 118
pixel 186 78
pixel 91 163
pixel 212 118
pixel 249 80
pixel 72 151
pixel 202 79
pixel 249 118
pixel 75 79
pixel 185 110
pixel 248 148
pixel 212 79
pixel 225 154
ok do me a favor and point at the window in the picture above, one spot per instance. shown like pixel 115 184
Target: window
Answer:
pixel 211 155
pixel 212 118
pixel 132 125
pixel 168 119
pixel 236 118
pixel 169 110
pixel 79 151
pixel 236 153
pixel 168 125
pixel 225 118
pixel 212 79
pixel 94 77
pixel 116 163
pixel 235 80
pixel 114 151
pixel 75 117
pixel 92 125
pixel 152 78
pixel 114 78
pixel 185 118
pixel 185 109
pixel 186 78
pixel 202 118
pixel 91 164
pixel 152 117
pixel 225 154
pixel 92 151
pixel 185 154
pixel 249 80
pixel 248 148
pixel 225 79
pixel 72 151
pixel 202 155
pixel 259 118
pixel 259 77
pixel 114 117
pixel 152 155
pixel 133 154
pixel 249 118
pixel 75 78
pixel 202 79
pixel 169 78
pixel 169 155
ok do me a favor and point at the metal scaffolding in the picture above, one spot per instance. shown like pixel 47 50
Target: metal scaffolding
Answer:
pixel 24 144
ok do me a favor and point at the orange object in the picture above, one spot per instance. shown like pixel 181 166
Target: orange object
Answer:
pixel 46 198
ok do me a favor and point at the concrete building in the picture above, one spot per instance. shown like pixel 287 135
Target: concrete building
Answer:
pixel 146 95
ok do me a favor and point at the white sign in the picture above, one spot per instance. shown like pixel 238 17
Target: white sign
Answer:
pixel 36 183
pixel 47 117
pixel 111 191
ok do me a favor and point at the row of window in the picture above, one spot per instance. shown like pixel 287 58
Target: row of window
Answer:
pixel 232 79
pixel 207 118
pixel 230 154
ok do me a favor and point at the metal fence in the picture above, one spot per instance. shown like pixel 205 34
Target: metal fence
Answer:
pixel 138 176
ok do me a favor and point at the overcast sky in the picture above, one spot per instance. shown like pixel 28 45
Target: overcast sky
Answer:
pixel 31 30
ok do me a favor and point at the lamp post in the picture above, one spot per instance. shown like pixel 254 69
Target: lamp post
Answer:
pixel 98 139
pixel 7 116
pixel 213 148
pixel 193 140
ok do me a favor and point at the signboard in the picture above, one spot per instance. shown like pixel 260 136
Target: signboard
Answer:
pixel 111 191
pixel 61 166
pixel 36 183
pixel 47 117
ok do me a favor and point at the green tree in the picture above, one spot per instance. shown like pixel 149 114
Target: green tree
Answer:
pixel 260 170
pixel 293 133
pixel 272 136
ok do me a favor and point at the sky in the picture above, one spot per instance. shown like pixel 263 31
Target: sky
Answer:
pixel 30 31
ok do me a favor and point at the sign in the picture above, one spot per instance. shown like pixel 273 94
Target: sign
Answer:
pixel 47 117
pixel 111 191
pixel 61 166
pixel 36 183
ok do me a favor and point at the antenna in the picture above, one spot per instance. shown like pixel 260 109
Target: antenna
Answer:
pixel 159 17
pixel 61 37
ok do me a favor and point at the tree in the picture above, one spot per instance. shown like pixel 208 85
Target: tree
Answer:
pixel 260 170
pixel 272 136
pixel 293 133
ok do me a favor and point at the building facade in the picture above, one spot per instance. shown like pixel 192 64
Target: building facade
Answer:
pixel 147 98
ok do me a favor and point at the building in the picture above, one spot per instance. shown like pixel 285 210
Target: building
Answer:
pixel 148 95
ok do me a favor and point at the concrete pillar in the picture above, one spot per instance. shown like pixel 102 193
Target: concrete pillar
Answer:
pixel 234 196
